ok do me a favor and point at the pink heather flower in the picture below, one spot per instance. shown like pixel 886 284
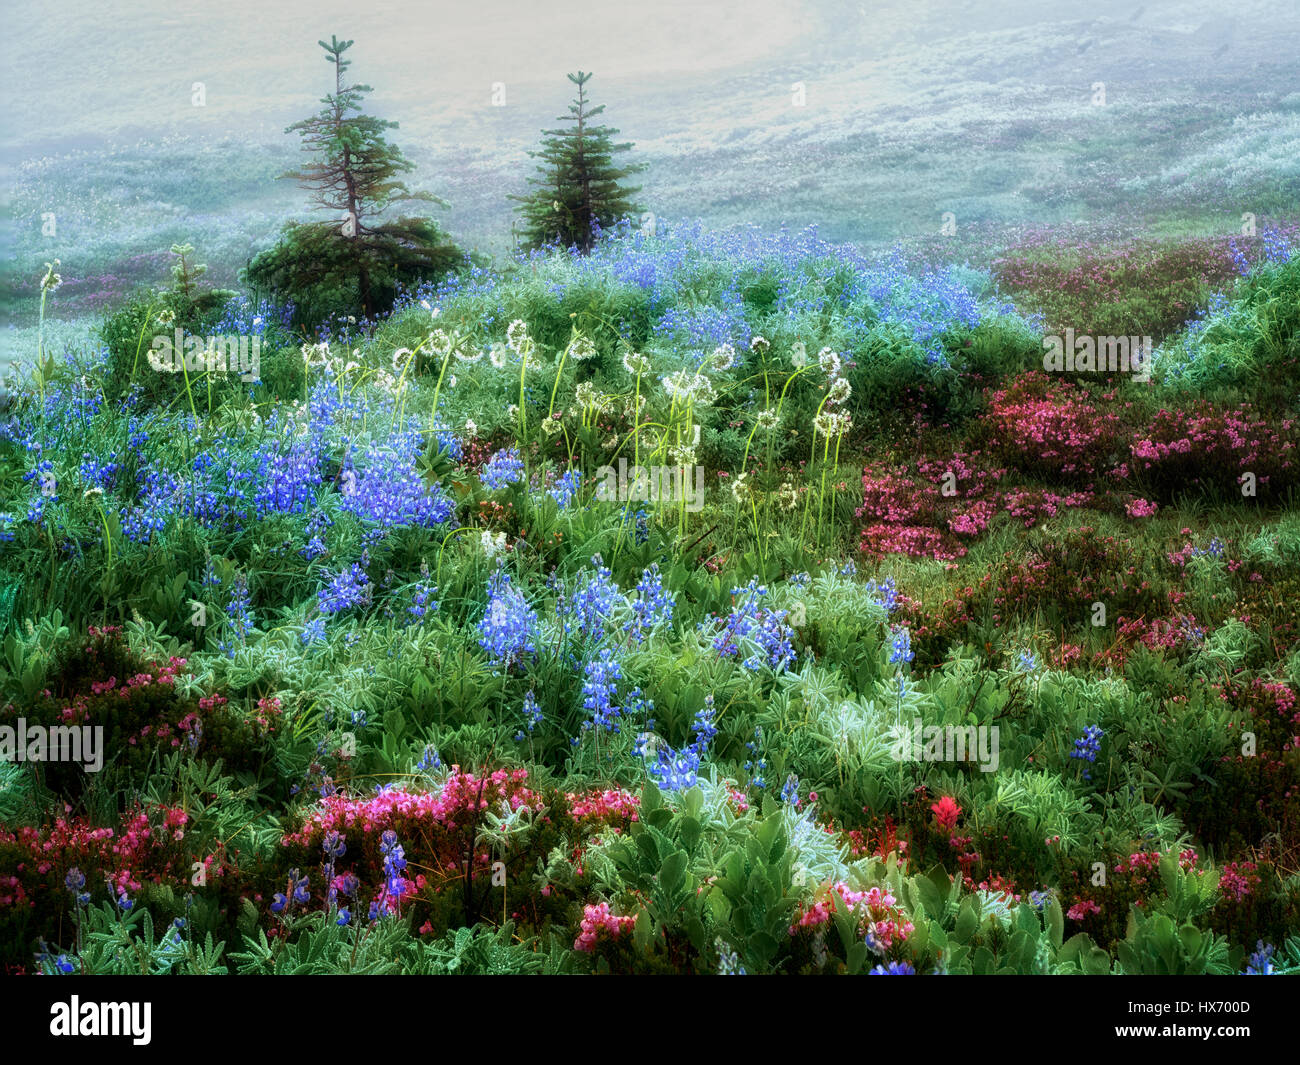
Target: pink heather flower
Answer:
pixel 1141 508
pixel 1237 880
pixel 596 918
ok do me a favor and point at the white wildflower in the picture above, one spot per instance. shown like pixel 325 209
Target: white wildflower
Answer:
pixel 582 348
pixel 723 357
pixel 440 343
pixel 517 335
pixel 740 488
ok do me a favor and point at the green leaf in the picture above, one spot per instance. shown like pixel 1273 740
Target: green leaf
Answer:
pixel 673 873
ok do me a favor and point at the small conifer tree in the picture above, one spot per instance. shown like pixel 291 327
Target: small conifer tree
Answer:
pixel 578 184
pixel 357 260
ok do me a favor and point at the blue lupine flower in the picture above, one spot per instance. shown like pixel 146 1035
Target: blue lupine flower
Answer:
pixel 755 768
pixel 676 770
pixel 1087 746
pixel 566 488
pixel 1192 633
pixel 1027 662
pixel 728 961
pixel 589 608
pixel 894 968
pixel 790 790
pixel 422 601
pixel 448 442
pixel 346 589
pixel 239 616
pixel 651 605
pixel 388 491
pixel 885 593
pixel 749 626
pixel 75 880
pixel 532 713
pixel 1261 962
pixel 313 632
pixel 900 647
pixel 429 760
pixel 703 725
pixel 503 468
pixel 507 631
pixel 1216 549
pixel 394 864
pixel 598 690
pixel 98 474
pixel 64 964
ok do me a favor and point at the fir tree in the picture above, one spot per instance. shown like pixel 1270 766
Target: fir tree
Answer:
pixel 357 260
pixel 578 183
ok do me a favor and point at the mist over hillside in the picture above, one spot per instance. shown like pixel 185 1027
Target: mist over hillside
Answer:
pixel 868 120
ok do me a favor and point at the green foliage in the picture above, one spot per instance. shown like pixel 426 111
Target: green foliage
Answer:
pixel 1251 342
pixel 129 334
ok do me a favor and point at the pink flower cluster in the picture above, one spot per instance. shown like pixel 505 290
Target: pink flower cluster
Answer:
pixel 1049 426
pixel 462 796
pixel 1081 909
pixel 611 805
pixel 597 918
pixel 1032 505
pixel 881 916
pixel 137 848
pixel 1141 508
pixel 1238 879
pixel 929 513
pixel 1205 444
pixel 946 811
